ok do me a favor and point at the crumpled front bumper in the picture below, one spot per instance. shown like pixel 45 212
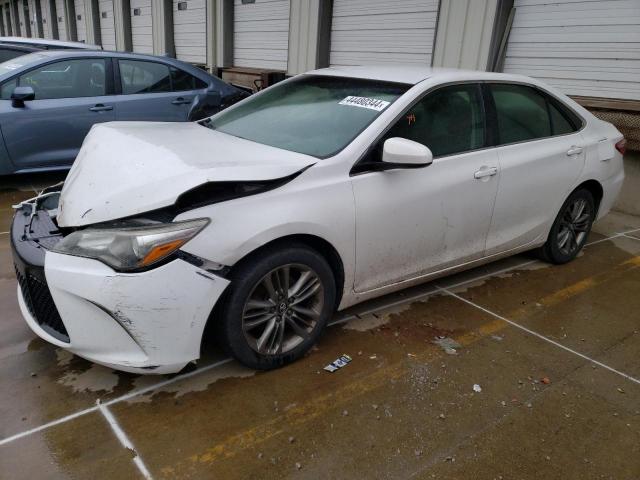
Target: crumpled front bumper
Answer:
pixel 145 322
pixel 148 322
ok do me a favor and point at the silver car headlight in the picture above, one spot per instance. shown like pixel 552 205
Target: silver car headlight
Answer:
pixel 130 248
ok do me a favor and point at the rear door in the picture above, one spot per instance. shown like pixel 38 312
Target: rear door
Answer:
pixel 541 155
pixel 70 97
pixel 154 91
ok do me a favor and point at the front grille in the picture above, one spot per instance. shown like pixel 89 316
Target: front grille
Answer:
pixel 41 306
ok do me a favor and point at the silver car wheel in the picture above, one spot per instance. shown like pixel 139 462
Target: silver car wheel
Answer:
pixel 574 226
pixel 283 309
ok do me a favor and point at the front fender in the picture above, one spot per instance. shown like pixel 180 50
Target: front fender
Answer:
pixel 239 227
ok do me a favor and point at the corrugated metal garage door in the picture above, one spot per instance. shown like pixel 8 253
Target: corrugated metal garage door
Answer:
pixel 14 7
pixel 190 30
pixel 81 25
pixel 141 31
pixel 46 21
pixel 383 31
pixel 107 25
pixel 261 34
pixel 25 31
pixel 32 18
pixel 584 48
pixel 35 12
pixel 62 27
pixel 3 19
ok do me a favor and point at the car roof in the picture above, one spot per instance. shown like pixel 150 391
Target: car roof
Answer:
pixel 50 43
pixel 51 55
pixel 412 74
pixel 55 54
pixel 20 47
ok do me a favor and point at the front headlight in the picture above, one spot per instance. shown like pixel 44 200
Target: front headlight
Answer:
pixel 130 248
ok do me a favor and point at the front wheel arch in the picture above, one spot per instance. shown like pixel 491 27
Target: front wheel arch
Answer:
pixel 320 245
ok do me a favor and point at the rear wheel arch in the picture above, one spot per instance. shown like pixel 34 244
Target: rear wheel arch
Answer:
pixel 595 188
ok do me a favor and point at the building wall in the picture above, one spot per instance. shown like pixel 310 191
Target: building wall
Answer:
pixel 190 30
pixel 107 24
pixel 588 48
pixel 383 31
pixel 260 34
pixel 585 48
pixel 465 30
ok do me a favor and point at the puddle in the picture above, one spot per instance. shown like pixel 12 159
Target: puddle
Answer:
pixel 63 357
pixel 197 383
pixel 95 379
pixel 367 322
pixel 370 321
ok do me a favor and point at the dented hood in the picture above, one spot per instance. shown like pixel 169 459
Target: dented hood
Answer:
pixel 128 168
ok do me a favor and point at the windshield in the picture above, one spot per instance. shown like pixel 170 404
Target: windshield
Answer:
pixel 13 64
pixel 312 114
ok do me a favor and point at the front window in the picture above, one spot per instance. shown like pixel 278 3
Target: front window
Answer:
pixel 314 115
pixel 448 121
pixel 65 79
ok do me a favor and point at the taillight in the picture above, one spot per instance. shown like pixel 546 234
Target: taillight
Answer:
pixel 621 146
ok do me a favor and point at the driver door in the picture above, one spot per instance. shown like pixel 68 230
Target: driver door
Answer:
pixel 410 223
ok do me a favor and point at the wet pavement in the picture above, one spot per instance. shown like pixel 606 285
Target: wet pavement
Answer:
pixel 554 351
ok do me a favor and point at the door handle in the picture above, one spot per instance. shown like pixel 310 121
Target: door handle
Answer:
pixel 485 172
pixel 101 108
pixel 574 150
pixel 181 101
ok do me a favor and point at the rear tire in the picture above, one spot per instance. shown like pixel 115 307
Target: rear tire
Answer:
pixel 277 306
pixel 570 229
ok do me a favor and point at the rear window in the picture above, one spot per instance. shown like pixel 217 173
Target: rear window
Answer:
pixel 181 80
pixel 8 54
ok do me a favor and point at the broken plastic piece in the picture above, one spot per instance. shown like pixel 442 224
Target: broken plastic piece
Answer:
pixel 477 388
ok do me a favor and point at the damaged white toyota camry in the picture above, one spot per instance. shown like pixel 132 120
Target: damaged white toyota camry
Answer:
pixel 325 190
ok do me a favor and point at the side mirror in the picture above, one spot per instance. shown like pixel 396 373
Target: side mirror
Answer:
pixel 402 153
pixel 21 95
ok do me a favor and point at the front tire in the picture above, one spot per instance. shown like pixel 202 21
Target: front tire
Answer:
pixel 278 305
pixel 570 229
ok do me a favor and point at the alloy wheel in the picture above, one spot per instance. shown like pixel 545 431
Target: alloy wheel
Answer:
pixel 574 226
pixel 283 309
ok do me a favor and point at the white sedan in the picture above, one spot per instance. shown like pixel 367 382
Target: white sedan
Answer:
pixel 325 190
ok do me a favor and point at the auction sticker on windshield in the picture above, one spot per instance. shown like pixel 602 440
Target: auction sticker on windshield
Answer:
pixel 365 102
